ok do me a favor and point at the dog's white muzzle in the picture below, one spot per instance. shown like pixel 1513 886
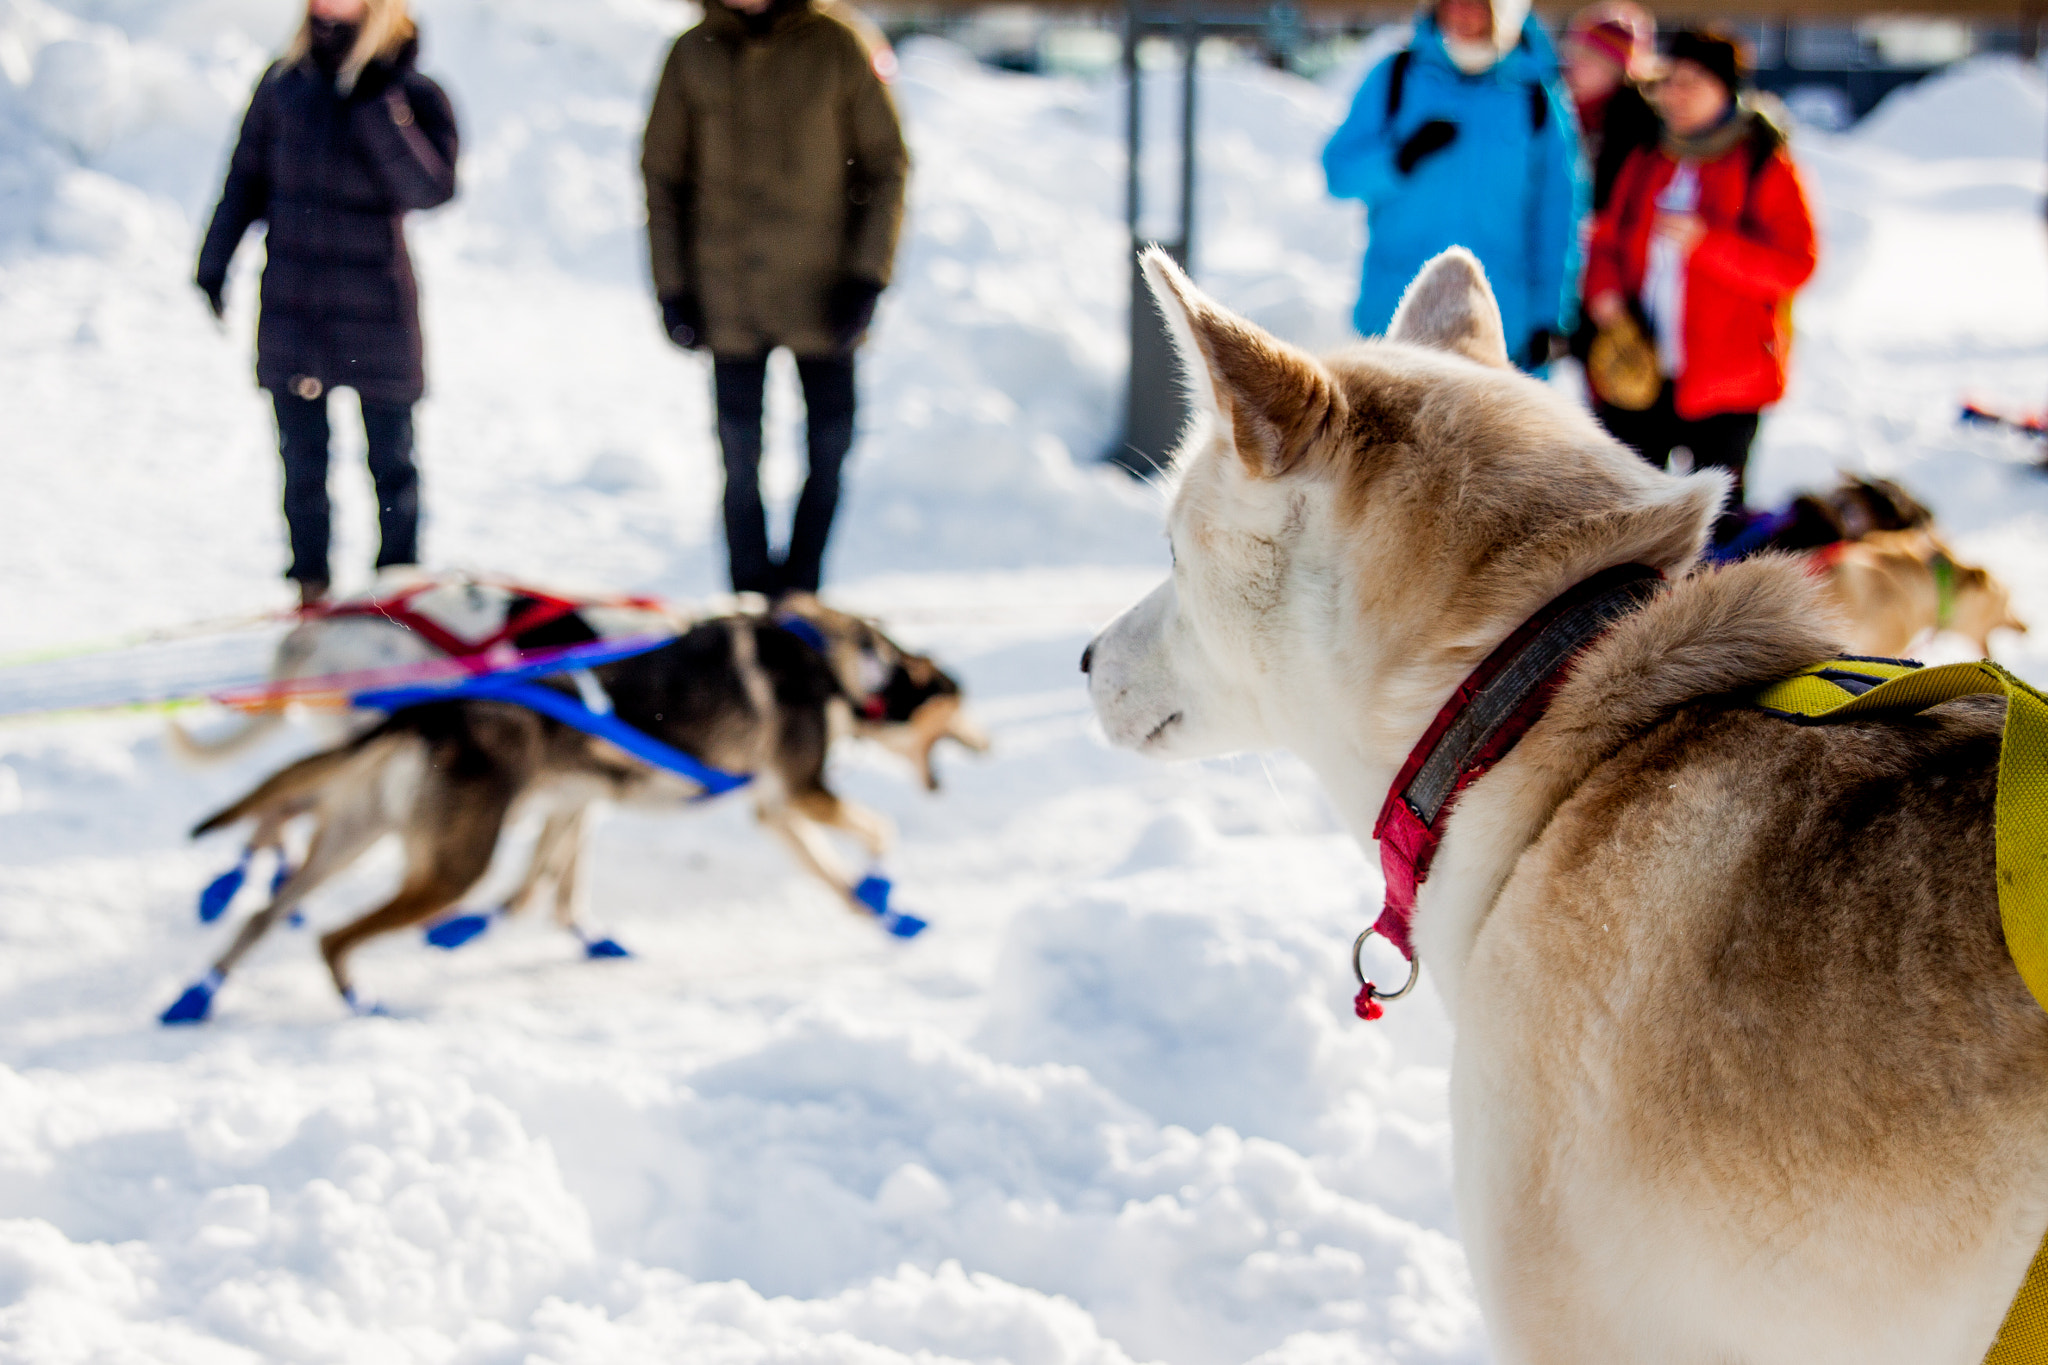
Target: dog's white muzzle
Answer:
pixel 1138 681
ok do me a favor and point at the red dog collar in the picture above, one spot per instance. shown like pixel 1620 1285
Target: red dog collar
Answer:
pixel 1491 710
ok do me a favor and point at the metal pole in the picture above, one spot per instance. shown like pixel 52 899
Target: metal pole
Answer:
pixel 1155 408
pixel 1133 104
pixel 1191 45
pixel 1282 33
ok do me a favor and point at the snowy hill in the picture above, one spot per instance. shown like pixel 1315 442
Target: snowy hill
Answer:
pixel 1112 1108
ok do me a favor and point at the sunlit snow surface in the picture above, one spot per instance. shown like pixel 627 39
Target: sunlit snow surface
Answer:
pixel 1112 1107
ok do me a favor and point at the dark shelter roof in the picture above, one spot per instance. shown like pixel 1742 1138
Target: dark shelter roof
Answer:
pixel 2015 11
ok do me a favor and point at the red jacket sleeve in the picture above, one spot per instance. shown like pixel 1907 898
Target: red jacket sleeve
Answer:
pixel 1776 254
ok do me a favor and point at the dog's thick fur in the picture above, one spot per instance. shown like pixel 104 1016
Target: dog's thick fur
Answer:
pixel 740 693
pixel 1886 589
pixel 1743 1072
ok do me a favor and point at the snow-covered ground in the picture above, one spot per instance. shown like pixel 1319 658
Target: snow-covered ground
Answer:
pixel 1112 1107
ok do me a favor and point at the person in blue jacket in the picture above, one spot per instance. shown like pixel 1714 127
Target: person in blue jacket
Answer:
pixel 1465 138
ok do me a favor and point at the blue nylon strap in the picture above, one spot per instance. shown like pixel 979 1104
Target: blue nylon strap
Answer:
pixel 812 637
pixel 513 686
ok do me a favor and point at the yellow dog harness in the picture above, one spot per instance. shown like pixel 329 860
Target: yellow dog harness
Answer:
pixel 1849 689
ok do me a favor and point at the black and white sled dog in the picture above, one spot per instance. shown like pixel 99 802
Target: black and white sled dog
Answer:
pixel 754 695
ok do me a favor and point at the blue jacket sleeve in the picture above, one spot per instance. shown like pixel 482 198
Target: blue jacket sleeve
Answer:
pixel 1559 203
pixel 1358 161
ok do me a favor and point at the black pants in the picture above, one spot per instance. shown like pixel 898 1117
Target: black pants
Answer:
pixel 1721 441
pixel 828 424
pixel 302 434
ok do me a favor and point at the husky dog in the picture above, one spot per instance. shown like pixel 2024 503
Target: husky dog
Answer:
pixel 756 696
pixel 1744 1071
pixel 1893 587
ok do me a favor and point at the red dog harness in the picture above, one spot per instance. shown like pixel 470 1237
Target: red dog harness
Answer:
pixel 1491 710
pixel 536 609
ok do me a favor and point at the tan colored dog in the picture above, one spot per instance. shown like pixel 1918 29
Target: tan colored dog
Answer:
pixel 1893 587
pixel 1744 1072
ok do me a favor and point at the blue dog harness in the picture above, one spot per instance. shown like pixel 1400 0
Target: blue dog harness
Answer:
pixel 589 712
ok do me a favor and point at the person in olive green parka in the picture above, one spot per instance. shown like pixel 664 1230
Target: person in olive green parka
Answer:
pixel 776 172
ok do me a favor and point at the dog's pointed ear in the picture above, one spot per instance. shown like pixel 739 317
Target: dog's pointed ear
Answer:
pixel 1276 403
pixel 1450 307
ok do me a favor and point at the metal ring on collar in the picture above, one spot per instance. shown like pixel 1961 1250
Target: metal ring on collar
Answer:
pixel 1358 970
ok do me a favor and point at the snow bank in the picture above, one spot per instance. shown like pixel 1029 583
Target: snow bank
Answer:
pixel 1985 107
pixel 776 1134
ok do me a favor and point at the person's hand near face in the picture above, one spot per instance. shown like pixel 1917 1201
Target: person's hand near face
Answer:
pixel 1682 230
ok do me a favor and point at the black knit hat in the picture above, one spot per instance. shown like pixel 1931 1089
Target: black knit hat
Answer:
pixel 1721 55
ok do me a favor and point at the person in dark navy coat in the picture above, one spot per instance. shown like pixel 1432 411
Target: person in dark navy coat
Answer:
pixel 343 137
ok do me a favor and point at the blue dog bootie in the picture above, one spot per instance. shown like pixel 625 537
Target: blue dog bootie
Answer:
pixel 453 932
pixel 596 948
pixel 220 892
pixel 874 892
pixel 195 1004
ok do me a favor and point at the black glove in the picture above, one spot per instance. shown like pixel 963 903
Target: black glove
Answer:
pixel 1540 349
pixel 849 308
pixel 682 317
pixel 1431 137
pixel 216 291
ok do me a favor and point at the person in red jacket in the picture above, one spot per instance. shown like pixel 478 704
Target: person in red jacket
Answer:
pixel 1705 240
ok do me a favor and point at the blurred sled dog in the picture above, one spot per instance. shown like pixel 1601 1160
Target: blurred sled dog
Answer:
pixel 756 698
pixel 1887 571
pixel 1896 587
pixel 1745 1070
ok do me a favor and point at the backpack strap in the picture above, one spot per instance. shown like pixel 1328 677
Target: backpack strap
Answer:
pixel 1763 144
pixel 1397 81
pixel 1397 88
pixel 1758 148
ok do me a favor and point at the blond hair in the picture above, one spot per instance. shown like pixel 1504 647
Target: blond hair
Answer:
pixel 387 26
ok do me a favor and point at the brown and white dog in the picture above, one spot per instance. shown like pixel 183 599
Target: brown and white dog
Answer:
pixel 1744 1071
pixel 750 695
pixel 1894 587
